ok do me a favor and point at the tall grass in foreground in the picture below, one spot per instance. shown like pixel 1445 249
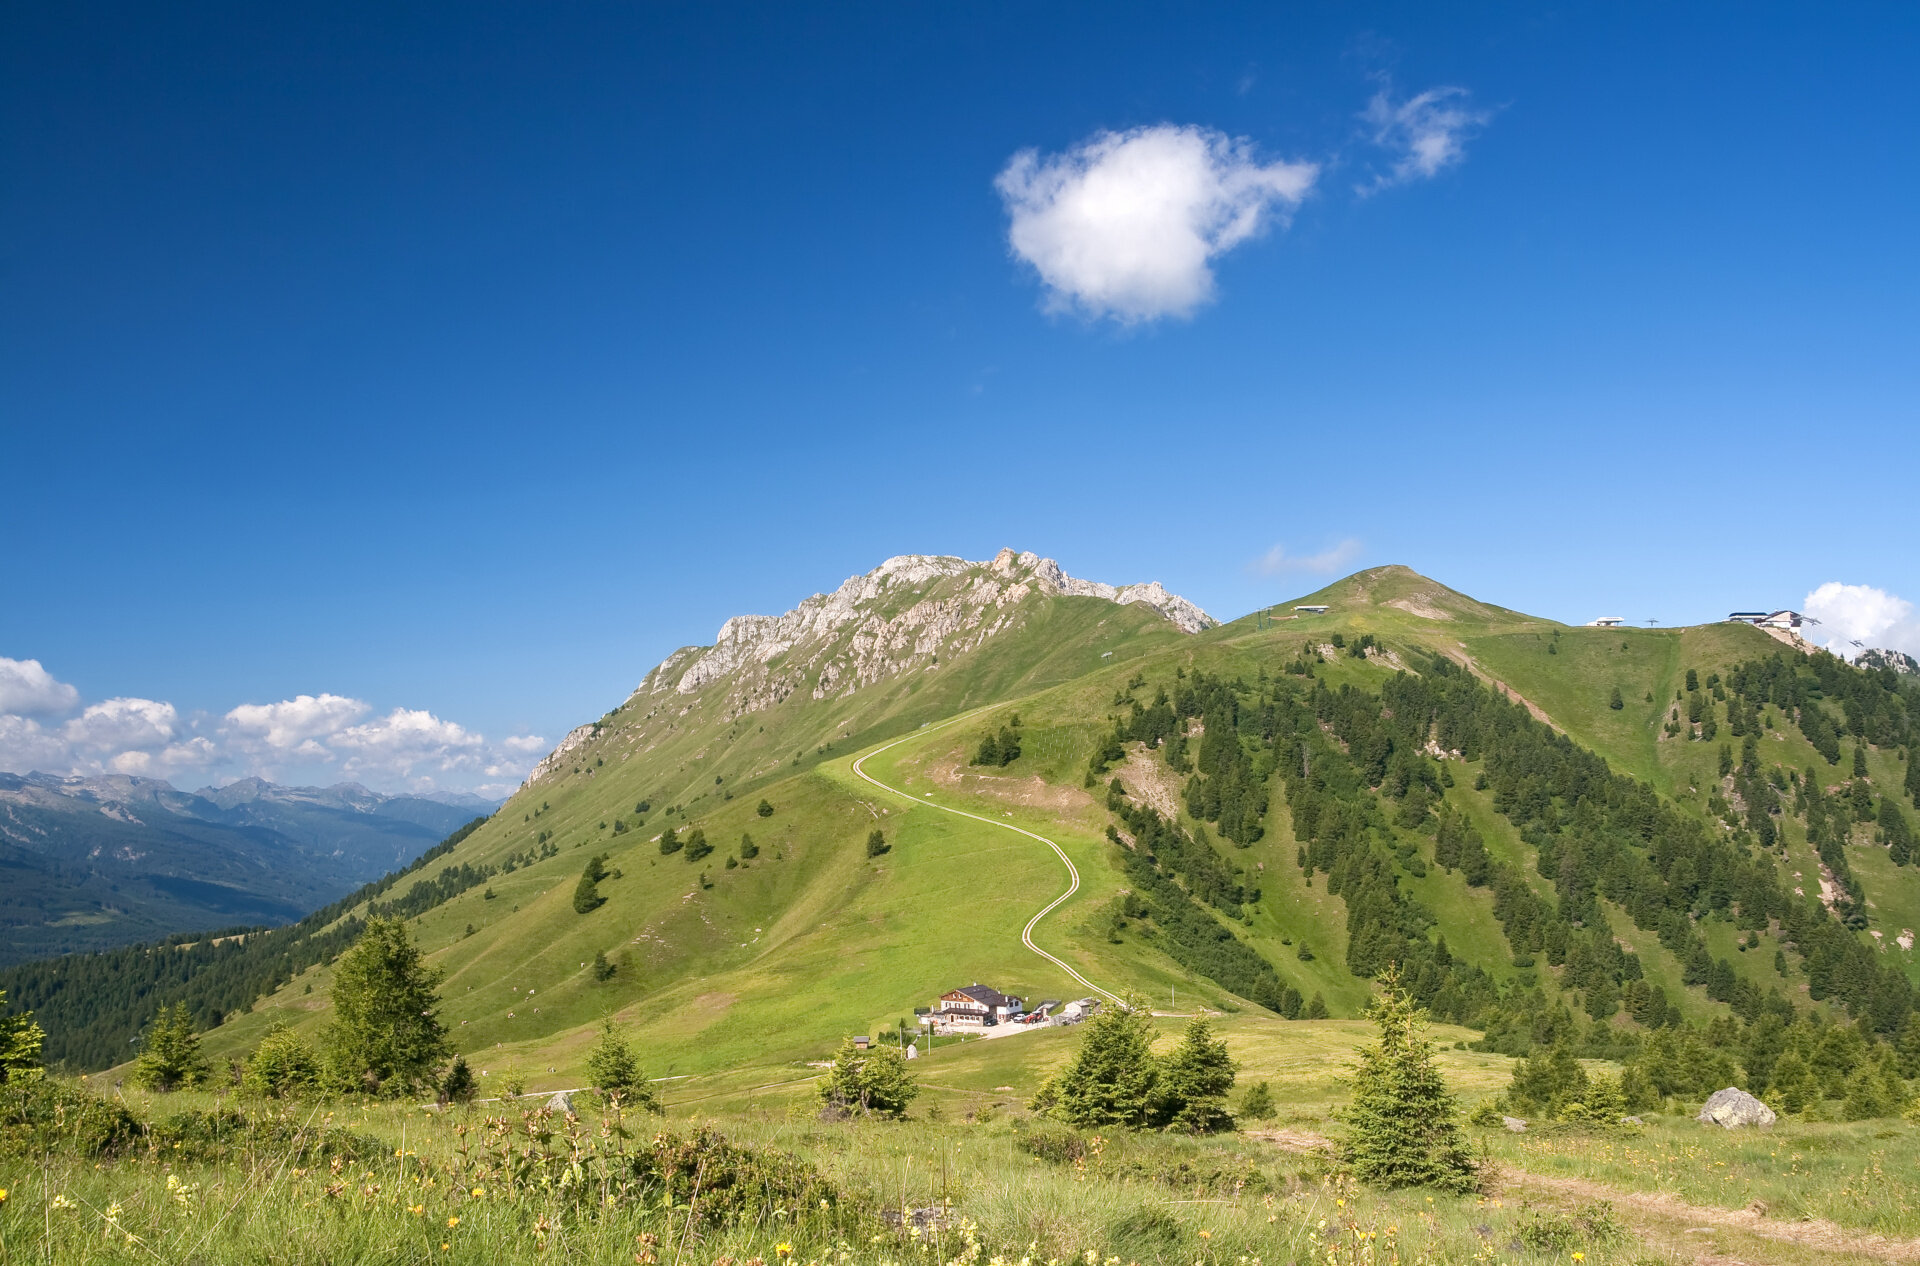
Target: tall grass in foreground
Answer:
pixel 428 1187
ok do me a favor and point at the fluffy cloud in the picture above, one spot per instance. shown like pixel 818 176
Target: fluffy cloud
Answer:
pixel 304 738
pixel 1277 562
pixel 1126 224
pixel 292 724
pixel 28 690
pixel 1425 135
pixel 120 724
pixel 1856 617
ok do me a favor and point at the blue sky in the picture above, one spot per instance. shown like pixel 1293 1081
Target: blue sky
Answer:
pixel 459 363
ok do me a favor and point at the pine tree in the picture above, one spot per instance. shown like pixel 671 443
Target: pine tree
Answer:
pixel 1194 1080
pixel 603 969
pixel 385 1037
pixel 170 1058
pixel 748 849
pixel 877 843
pixel 1402 1128
pixel 869 1081
pixel 1614 700
pixel 697 846
pixel 20 1041
pixel 1113 1077
pixel 1317 1008
pixel 613 1069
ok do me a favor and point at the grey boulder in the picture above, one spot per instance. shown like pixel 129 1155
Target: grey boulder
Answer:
pixel 562 1102
pixel 1731 1108
pixel 1515 1124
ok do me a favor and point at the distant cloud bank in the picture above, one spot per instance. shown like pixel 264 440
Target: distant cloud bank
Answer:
pixel 323 735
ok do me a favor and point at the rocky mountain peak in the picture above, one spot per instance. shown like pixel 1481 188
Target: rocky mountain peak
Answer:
pixel 909 614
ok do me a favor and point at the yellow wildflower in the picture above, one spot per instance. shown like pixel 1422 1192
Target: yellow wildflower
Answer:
pixel 783 1250
pixel 453 1221
pixel 478 1192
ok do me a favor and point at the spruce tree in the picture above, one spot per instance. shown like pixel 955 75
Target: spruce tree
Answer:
pixel 1403 1128
pixel 458 1086
pixel 170 1059
pixel 385 1037
pixel 586 894
pixel 1258 1104
pixel 877 843
pixel 1194 1080
pixel 1113 1079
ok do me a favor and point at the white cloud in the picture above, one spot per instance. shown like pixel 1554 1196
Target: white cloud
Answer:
pixel 292 724
pixel 121 724
pixel 1277 562
pixel 304 738
pixel 409 740
pixel 1126 224
pixel 25 747
pixel 1425 135
pixel 28 690
pixel 1861 613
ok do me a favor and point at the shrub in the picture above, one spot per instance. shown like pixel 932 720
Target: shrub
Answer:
pixel 282 1065
pixel 221 1135
pixel 39 1115
pixel 872 1081
pixel 717 1182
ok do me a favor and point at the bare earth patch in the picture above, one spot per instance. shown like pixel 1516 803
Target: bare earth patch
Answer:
pixel 1418 605
pixel 1033 792
pixel 1147 778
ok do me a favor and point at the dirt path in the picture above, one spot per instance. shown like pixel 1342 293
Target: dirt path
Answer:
pixel 1814 1233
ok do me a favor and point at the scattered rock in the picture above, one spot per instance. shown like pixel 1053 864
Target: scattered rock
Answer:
pixel 1732 1108
pixel 1515 1124
pixel 562 1102
pixel 1631 1121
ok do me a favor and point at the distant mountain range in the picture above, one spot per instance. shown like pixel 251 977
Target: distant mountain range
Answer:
pixel 88 863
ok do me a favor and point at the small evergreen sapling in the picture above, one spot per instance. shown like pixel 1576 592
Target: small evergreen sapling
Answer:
pixel 1194 1080
pixel 613 1069
pixel 1403 1127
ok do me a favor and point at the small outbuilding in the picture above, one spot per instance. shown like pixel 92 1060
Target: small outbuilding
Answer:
pixel 1606 622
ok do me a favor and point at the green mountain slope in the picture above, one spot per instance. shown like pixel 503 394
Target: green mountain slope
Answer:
pixel 1464 780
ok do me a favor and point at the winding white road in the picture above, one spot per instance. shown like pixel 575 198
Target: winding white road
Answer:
pixel 1073 874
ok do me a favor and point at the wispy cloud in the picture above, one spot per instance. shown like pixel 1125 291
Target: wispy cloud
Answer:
pixel 1422 136
pixel 1278 562
pixel 1126 224
pixel 1862 614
